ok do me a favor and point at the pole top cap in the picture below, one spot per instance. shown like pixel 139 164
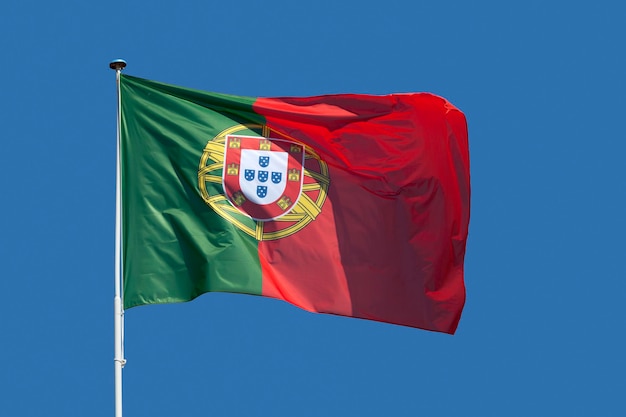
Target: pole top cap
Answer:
pixel 117 64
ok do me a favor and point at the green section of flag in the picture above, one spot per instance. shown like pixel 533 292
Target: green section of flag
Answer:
pixel 175 247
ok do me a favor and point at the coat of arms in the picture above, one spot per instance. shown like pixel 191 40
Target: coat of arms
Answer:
pixel 269 187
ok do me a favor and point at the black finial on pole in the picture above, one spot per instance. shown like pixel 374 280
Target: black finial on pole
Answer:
pixel 117 65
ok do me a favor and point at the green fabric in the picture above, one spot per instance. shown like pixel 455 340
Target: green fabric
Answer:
pixel 175 247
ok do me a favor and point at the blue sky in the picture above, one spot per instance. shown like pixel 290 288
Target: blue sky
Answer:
pixel 543 331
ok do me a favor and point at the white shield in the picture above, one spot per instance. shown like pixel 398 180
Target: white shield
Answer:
pixel 263 175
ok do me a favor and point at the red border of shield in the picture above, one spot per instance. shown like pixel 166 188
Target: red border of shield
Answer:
pixel 230 176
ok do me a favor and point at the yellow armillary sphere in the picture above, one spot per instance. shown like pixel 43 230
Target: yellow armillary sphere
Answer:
pixel 315 185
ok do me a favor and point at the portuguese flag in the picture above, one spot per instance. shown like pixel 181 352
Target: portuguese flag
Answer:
pixel 354 205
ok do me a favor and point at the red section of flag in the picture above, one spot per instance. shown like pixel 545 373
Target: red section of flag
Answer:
pixel 389 244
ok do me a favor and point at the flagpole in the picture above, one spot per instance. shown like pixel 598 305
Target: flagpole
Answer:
pixel 118 65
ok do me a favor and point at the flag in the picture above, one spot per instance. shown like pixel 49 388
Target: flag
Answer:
pixel 347 204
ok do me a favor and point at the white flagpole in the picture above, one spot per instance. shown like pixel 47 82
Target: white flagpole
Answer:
pixel 118 65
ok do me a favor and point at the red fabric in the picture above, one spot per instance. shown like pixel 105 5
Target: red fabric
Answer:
pixel 389 244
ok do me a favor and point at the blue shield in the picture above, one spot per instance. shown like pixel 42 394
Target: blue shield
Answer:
pixel 264 161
